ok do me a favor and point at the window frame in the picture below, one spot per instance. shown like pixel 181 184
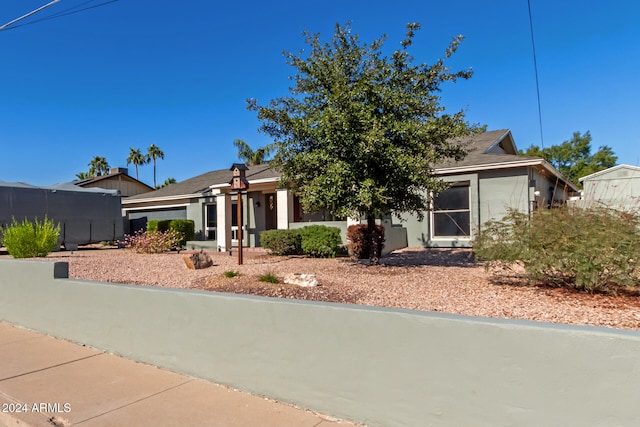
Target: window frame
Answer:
pixel 434 212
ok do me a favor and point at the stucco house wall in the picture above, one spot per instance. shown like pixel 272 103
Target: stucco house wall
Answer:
pixel 491 179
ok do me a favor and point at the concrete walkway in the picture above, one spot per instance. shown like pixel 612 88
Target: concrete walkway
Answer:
pixel 43 378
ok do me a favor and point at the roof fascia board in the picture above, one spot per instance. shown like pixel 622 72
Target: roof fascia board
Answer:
pixel 501 165
pixel 175 205
pixel 499 140
pixel 507 165
pixel 614 168
pixel 163 199
pixel 252 181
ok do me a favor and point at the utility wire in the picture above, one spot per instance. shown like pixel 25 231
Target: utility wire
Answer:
pixel 26 15
pixel 535 67
pixel 65 12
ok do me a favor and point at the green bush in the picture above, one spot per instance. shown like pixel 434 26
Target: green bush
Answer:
pixel 31 239
pixel 593 250
pixel 184 227
pixel 320 241
pixel 360 242
pixel 230 274
pixel 281 242
pixel 158 225
pixel 269 278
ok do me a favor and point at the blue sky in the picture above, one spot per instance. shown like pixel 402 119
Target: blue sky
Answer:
pixel 177 74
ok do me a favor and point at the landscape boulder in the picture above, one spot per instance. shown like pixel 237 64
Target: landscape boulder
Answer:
pixel 305 280
pixel 198 260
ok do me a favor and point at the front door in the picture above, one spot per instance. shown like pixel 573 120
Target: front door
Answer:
pixel 270 211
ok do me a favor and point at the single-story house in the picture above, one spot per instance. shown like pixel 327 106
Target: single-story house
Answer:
pixel 490 180
pixel 617 187
pixel 117 179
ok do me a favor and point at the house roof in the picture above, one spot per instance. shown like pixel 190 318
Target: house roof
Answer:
pixel 609 170
pixel 495 150
pixel 491 147
pixel 59 187
pixel 201 184
pixel 488 150
pixel 110 176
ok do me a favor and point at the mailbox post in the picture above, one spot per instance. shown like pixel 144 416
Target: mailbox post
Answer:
pixel 239 183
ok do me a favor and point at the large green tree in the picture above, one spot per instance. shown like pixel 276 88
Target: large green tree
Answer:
pixel 137 158
pixel 573 158
pixel 155 153
pixel 361 132
pixel 251 156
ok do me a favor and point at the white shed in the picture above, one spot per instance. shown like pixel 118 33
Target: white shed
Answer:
pixel 617 187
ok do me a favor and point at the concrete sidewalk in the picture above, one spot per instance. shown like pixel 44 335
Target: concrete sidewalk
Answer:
pixel 42 377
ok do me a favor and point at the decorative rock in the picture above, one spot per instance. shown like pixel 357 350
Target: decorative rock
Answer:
pixel 198 260
pixel 306 280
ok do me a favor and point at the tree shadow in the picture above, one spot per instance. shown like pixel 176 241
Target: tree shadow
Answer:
pixel 437 257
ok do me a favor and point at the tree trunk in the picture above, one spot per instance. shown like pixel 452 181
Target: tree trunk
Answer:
pixel 372 230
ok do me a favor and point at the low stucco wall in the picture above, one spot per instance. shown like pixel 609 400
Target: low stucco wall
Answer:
pixel 382 367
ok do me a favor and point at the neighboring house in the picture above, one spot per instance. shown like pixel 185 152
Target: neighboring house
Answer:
pixel 617 187
pixel 490 180
pixel 116 179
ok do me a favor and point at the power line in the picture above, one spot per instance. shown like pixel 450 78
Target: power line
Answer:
pixel 65 12
pixel 26 15
pixel 535 67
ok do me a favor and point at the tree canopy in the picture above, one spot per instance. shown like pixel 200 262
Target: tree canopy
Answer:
pixel 361 132
pixel 137 158
pixel 98 166
pixel 573 158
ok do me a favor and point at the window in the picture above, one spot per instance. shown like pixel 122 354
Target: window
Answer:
pixel 451 216
pixel 212 222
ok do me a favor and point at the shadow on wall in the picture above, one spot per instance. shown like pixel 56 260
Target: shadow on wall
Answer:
pixel 436 257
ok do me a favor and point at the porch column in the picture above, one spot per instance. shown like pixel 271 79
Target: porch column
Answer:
pixel 284 203
pixel 223 213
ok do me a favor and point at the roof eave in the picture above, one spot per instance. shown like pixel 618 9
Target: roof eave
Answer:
pixel 128 201
pixel 252 181
pixel 507 165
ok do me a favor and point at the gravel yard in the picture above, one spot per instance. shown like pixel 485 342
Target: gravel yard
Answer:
pixel 431 280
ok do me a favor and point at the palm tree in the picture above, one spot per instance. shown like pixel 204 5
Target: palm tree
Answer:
pixel 253 157
pixel 155 153
pixel 167 181
pixel 83 175
pixel 98 166
pixel 137 158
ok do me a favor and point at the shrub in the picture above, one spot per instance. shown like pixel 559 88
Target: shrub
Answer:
pixel 269 278
pixel 158 225
pixel 320 241
pixel 230 274
pixel 31 239
pixel 593 250
pixel 152 242
pixel 360 242
pixel 282 242
pixel 185 227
